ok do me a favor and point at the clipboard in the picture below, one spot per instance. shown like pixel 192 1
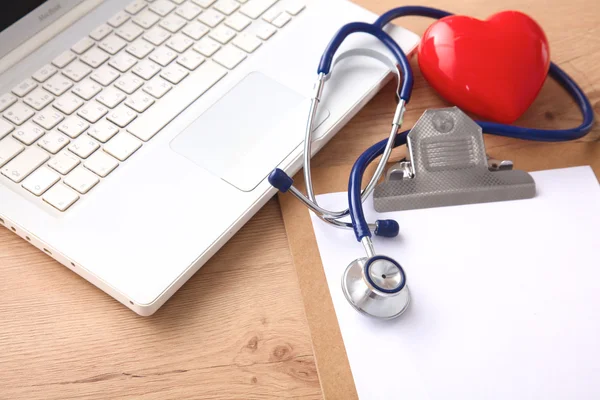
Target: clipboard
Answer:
pixel 330 355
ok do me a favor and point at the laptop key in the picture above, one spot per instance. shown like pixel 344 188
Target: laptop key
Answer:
pixel 100 32
pixel 38 99
pixel 211 18
pixel 238 22
pixel 103 131
pixel 76 71
pixel 18 113
pixel 195 30
pixel 146 69
pixel 24 164
pixel 282 20
pixel 41 180
pixel 63 162
pixel 83 146
pixel 86 89
pixel 190 59
pixel 53 142
pixel 162 7
pixel 122 146
pixel 129 83
pixel 112 44
pixel 180 42
pixel 294 7
pixel 9 148
pixel 105 75
pixel 121 116
pixel 146 19
pixel 247 42
pixel 92 112
pixel 73 126
pixel 118 19
pixel 28 133
pixel 63 59
pixel 57 85
pixel 255 8
pixel 48 118
pixel 270 15
pixel 122 61
pixel 101 164
pixel 111 97
pixel 83 45
pixel 265 31
pixel 229 57
pixel 135 6
pixel 157 87
pixel 157 35
pixel 42 74
pixel 204 3
pixel 7 100
pixel 81 180
pixel 227 7
pixel 140 48
pixel 163 56
pixel 174 73
pixel 207 47
pixel 139 101
pixel 188 11
pixel 129 31
pixel 222 34
pixel 24 87
pixel 173 23
pixel 95 57
pixel 5 128
pixel 68 103
pixel 60 197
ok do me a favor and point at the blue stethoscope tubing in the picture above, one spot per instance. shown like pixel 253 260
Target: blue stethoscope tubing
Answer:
pixel 389 228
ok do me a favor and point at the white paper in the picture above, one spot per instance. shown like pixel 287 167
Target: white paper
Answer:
pixel 505 297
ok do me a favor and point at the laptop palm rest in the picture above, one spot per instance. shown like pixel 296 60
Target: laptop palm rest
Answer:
pixel 248 132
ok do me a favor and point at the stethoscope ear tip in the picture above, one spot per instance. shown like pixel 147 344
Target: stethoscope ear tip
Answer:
pixel 280 180
pixel 387 228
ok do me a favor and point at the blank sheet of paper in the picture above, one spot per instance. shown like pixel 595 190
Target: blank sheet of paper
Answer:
pixel 505 297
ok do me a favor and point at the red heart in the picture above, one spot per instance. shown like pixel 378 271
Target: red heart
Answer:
pixel 493 68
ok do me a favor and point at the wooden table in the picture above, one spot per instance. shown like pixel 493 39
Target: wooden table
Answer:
pixel 237 329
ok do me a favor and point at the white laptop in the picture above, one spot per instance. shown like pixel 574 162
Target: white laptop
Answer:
pixel 136 138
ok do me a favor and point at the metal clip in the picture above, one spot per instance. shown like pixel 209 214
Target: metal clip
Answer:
pixel 448 166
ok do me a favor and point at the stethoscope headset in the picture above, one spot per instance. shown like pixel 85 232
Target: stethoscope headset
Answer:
pixel 376 285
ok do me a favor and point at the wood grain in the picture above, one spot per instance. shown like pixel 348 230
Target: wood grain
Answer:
pixel 237 329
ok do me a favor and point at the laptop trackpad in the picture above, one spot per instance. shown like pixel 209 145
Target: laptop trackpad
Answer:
pixel 248 132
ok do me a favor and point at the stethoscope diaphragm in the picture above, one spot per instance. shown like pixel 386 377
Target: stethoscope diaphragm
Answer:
pixel 376 287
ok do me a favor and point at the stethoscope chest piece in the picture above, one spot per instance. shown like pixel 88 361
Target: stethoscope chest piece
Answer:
pixel 376 287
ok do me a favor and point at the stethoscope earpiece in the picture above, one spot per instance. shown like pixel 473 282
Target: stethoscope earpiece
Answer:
pixel 376 287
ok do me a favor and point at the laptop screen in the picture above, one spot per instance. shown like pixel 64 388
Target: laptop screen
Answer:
pixel 16 11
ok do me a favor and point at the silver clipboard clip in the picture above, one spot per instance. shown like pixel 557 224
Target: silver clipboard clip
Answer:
pixel 448 166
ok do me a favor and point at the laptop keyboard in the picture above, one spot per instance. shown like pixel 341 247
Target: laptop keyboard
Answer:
pixel 69 125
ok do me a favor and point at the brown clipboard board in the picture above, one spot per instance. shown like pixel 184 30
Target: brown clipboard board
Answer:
pixel 330 355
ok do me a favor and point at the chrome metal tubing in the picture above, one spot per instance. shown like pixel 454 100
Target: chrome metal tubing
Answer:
pixel 314 104
pixel 368 245
pixel 319 211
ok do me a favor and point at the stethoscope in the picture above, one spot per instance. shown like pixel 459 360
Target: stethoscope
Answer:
pixel 376 284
